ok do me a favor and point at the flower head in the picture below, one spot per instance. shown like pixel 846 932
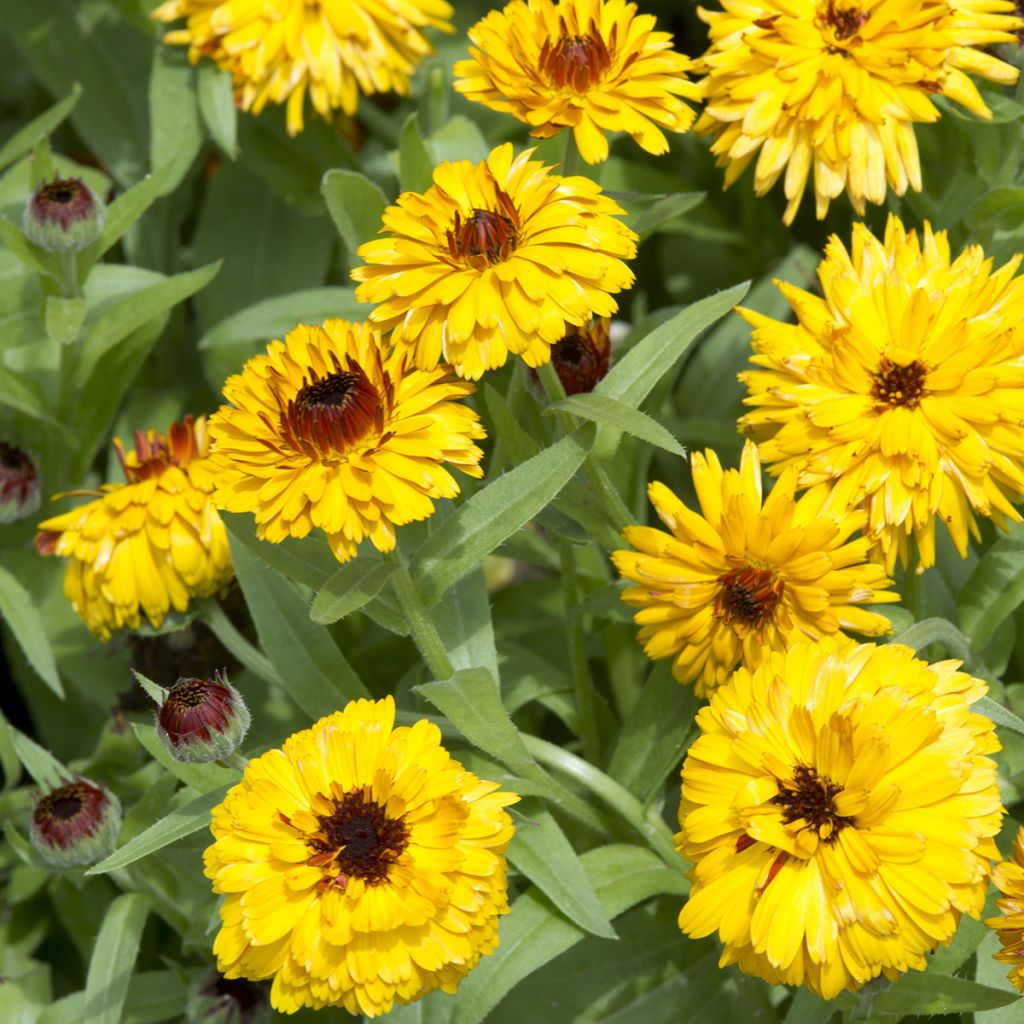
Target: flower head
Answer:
pixel 19 484
pixel 149 545
pixel 839 808
pixel 329 431
pixel 493 258
pixel 746 576
pixel 64 215
pixel 899 389
pixel 837 85
pixel 361 864
pixel 219 1000
pixel 1008 878
pixel 594 66
pixel 582 355
pixel 278 50
pixel 202 720
pixel 75 823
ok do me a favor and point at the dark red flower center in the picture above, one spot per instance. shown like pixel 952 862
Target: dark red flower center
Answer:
pixel 69 812
pixel 749 596
pixel 899 385
pixel 575 61
pixel 484 238
pixel 194 709
pixel 581 358
pixel 63 201
pixel 17 473
pixel 845 22
pixel 811 798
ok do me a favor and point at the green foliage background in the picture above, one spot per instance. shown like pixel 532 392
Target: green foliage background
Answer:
pixel 225 233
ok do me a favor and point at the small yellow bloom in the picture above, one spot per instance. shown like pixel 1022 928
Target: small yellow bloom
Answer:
pixel 1008 878
pixel 361 865
pixel 149 545
pixel 594 66
pixel 329 431
pixel 900 389
pixel 278 50
pixel 747 575
pixel 836 86
pixel 839 808
pixel 494 257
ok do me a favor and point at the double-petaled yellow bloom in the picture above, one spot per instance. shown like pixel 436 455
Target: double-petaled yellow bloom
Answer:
pixel 592 66
pixel 147 546
pixel 329 430
pixel 839 808
pixel 279 50
pixel 360 865
pixel 900 389
pixel 835 87
pixel 1008 878
pixel 747 575
pixel 494 257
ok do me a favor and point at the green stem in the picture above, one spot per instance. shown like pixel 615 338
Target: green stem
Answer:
pixel 582 684
pixel 236 760
pixel 69 275
pixel 571 160
pixel 251 657
pixel 421 625
pixel 513 402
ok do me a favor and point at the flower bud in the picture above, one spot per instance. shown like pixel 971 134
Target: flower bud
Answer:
pixel 64 215
pixel 76 823
pixel 221 1000
pixel 19 484
pixel 202 720
pixel 581 357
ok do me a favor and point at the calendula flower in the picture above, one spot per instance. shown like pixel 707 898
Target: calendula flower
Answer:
pixel 899 389
pixel 493 258
pixel 836 86
pixel 1008 878
pixel 278 50
pixel 747 575
pixel 150 545
pixel 582 355
pixel 594 66
pixel 329 431
pixel 361 865
pixel 839 808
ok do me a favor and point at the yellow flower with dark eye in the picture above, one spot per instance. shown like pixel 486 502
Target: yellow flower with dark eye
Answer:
pixel 329 431
pixel 279 50
pixel 838 808
pixel 147 546
pixel 899 389
pixel 747 575
pixel 593 66
pixel 1008 878
pixel 494 257
pixel 835 87
pixel 361 865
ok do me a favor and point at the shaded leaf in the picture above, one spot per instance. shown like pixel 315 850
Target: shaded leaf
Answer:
pixel 351 587
pixel 117 945
pixel 613 413
pixel 24 139
pixel 355 204
pixel 23 617
pixel 217 105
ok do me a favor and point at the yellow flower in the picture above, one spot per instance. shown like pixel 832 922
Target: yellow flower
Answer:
pixel 149 545
pixel 837 85
pixel 745 576
pixel 594 66
pixel 900 389
pixel 494 258
pixel 838 807
pixel 329 431
pixel 1008 878
pixel 278 50
pixel 361 864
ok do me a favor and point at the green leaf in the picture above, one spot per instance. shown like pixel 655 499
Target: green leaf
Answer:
pixel 47 771
pixel 64 318
pixel 201 777
pixel 808 1008
pixel 935 630
pixel 471 702
pixel 21 395
pixel 217 105
pixel 540 851
pixel 415 161
pixel 307 561
pixel 613 413
pixel 534 933
pixel 23 141
pixel 463 620
pixel 459 138
pixel 920 995
pixel 22 615
pixel 664 209
pixel 173 111
pixel 32 256
pixel 153 996
pixel 110 968
pixel 994 590
pixel 315 673
pixel 494 513
pixel 156 693
pixel 10 763
pixel 355 204
pixel 635 375
pixel 351 587
pixel 181 822
pixel 998 714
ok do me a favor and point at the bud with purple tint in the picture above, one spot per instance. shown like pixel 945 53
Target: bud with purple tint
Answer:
pixel 75 824
pixel 19 484
pixel 64 215
pixel 202 720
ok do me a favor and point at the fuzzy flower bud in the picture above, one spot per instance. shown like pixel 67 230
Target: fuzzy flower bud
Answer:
pixel 581 357
pixel 223 1000
pixel 75 824
pixel 64 215
pixel 19 484
pixel 202 720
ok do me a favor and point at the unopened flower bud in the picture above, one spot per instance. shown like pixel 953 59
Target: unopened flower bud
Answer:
pixel 581 357
pixel 202 720
pixel 75 824
pixel 19 484
pixel 221 1000
pixel 64 215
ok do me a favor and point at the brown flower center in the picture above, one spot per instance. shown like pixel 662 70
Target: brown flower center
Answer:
pixel 899 385
pixel 844 22
pixel 68 813
pixel 359 840
pixel 811 798
pixel 581 358
pixel 574 62
pixel 486 237
pixel 749 596
pixel 332 413
pixel 63 201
